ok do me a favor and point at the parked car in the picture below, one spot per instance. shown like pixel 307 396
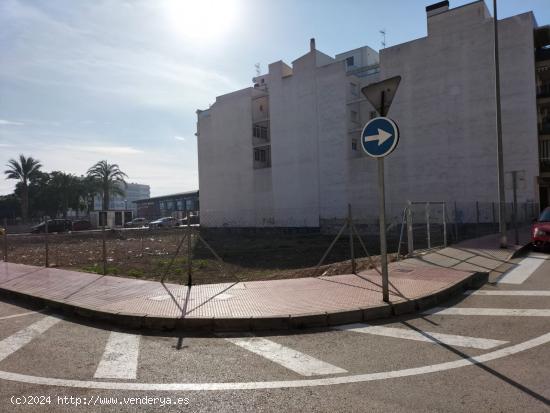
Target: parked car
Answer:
pixel 54 225
pixel 136 223
pixel 193 220
pixel 81 225
pixel 540 231
pixel 165 222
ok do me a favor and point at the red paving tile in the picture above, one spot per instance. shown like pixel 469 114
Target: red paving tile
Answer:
pixel 272 298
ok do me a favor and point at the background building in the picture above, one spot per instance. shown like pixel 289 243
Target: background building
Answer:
pixel 176 205
pixel 133 192
pixel 286 152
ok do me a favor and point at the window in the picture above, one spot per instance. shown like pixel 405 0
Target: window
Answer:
pixel 354 144
pixel 353 89
pixel 260 132
pixel 350 61
pixel 262 157
pixel 261 108
pixel 353 116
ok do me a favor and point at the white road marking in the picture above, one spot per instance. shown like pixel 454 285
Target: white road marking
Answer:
pixel 525 312
pixel 291 359
pixel 23 337
pixel 20 314
pixel 527 293
pixel 327 381
pixel 426 336
pixel 120 357
pixel 522 272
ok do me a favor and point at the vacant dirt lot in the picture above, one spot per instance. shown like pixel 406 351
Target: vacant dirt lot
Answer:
pixel 152 255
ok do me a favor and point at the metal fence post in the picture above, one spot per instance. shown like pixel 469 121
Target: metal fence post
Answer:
pixel 444 225
pixel 515 207
pixel 104 248
pixel 46 242
pixel 477 218
pixel 351 249
pixel 5 255
pixel 189 258
pixel 456 222
pixel 410 238
pixel 428 225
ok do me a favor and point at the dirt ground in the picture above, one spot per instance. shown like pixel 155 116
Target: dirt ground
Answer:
pixel 154 255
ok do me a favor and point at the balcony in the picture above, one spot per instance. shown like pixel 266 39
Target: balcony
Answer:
pixel 260 133
pixel 262 157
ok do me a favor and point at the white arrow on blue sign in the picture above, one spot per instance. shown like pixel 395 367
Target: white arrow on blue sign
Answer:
pixel 379 137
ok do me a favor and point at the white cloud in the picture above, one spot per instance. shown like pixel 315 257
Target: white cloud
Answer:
pixel 5 122
pixel 180 138
pixel 109 150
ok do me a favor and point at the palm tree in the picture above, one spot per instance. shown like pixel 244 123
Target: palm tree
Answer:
pixel 110 178
pixel 24 170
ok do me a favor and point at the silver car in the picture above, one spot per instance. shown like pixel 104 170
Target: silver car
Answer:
pixel 165 222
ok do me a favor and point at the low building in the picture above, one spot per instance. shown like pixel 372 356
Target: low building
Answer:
pixel 176 205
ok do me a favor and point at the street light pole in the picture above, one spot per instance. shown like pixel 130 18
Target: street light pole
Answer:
pixel 500 162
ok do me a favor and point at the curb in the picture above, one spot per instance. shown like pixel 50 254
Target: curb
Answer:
pixel 279 322
pixel 524 250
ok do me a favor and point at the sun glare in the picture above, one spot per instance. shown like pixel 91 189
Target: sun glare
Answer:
pixel 205 20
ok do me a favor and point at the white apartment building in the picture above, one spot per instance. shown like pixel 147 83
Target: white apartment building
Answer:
pixel 286 152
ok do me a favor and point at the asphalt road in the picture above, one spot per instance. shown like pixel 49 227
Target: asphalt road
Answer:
pixel 421 363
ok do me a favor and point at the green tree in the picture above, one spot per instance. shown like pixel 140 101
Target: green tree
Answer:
pixel 24 170
pixel 67 191
pixel 110 179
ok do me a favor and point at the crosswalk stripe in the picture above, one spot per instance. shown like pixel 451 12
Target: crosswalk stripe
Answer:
pixel 533 293
pixel 20 315
pixel 291 359
pixel 23 337
pixel 525 312
pixel 120 358
pixel 522 272
pixel 426 336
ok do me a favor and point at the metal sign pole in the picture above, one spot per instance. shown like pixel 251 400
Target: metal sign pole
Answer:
pixel 379 138
pixel 383 249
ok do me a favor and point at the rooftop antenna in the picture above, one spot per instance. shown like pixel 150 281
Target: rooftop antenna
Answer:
pixel 258 70
pixel 383 42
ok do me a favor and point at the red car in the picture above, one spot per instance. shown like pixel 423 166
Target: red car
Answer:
pixel 540 231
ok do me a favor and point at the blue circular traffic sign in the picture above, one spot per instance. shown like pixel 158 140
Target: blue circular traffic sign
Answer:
pixel 379 137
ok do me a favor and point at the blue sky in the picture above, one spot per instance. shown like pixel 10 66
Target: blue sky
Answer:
pixel 82 81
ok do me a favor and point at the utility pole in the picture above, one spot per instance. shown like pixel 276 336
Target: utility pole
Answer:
pixel 500 161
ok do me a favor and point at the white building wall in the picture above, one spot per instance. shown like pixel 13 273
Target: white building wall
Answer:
pixel 445 108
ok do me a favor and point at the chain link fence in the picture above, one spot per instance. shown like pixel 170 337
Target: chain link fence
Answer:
pixel 205 254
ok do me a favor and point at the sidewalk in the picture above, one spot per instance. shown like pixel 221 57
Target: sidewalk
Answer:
pixel 415 284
